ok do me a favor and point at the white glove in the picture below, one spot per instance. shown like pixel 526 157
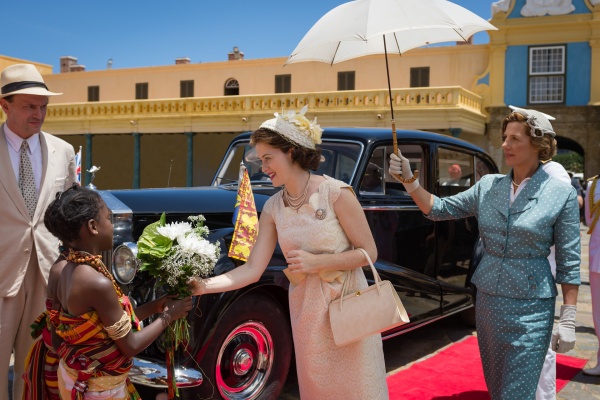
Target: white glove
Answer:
pixel 563 336
pixel 400 167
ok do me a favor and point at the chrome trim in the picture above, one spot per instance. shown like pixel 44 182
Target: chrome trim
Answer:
pixel 412 328
pixel 390 208
pixel 248 353
pixel 122 219
pixel 153 374
pixel 133 249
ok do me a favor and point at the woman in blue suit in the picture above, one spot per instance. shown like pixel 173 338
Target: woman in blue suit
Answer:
pixel 521 215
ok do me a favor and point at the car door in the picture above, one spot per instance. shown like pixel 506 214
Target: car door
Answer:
pixel 457 169
pixel 404 237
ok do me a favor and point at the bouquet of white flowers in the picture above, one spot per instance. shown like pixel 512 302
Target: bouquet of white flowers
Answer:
pixel 173 253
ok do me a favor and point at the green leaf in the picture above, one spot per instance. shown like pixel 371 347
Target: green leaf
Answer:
pixel 152 246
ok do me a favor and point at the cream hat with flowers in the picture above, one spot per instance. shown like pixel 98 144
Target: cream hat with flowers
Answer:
pixel 537 121
pixel 23 79
pixel 296 128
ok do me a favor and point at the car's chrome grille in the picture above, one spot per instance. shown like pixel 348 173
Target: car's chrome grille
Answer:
pixel 107 259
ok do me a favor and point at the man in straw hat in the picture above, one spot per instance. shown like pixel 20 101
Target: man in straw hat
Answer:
pixel 34 166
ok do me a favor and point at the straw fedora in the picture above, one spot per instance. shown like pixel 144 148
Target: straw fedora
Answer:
pixel 23 79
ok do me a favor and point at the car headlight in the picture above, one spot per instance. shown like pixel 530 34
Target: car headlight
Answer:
pixel 125 263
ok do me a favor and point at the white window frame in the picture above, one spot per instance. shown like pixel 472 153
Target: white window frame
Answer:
pixel 547 94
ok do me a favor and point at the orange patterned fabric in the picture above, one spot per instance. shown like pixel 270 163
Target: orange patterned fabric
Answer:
pixel 41 364
pixel 88 349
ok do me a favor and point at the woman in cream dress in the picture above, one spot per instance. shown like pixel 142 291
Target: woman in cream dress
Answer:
pixel 318 222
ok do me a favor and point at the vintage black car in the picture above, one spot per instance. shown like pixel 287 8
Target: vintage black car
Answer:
pixel 241 340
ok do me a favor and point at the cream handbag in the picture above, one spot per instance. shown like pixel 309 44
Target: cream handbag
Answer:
pixel 366 312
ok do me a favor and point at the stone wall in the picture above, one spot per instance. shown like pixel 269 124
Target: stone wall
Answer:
pixel 577 127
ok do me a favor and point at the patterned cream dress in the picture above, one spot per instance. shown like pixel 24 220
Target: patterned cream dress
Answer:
pixel 325 371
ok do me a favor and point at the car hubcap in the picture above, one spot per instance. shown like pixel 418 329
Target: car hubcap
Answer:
pixel 242 362
pixel 245 361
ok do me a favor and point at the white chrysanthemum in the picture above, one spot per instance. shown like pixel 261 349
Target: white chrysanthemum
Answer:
pixel 197 245
pixel 174 229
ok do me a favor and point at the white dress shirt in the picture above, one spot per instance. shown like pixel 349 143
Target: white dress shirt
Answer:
pixel 35 154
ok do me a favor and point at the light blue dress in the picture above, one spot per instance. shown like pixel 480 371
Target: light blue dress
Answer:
pixel 515 287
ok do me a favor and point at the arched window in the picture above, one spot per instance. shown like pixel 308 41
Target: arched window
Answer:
pixel 232 87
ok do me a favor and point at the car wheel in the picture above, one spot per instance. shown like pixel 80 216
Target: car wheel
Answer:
pixel 250 353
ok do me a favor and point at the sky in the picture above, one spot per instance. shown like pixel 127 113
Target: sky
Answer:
pixel 136 33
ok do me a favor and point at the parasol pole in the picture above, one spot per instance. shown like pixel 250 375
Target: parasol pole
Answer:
pixel 387 69
pixel 394 136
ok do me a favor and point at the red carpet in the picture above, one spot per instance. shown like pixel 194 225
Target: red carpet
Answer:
pixel 456 374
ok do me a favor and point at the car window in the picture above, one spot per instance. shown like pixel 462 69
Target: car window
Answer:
pixel 338 160
pixel 376 179
pixel 229 171
pixel 481 168
pixel 372 182
pixel 455 172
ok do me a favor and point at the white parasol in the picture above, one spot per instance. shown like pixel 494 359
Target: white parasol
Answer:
pixel 365 27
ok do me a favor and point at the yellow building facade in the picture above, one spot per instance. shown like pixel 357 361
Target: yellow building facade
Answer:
pixel 165 127
pixel 170 125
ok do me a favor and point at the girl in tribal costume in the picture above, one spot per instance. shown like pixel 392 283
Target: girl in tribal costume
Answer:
pixel 94 320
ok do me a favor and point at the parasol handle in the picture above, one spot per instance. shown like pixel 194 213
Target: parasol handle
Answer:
pixel 394 137
pixel 395 141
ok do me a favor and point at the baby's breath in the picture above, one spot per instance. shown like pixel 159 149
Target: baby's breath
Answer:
pixel 173 253
pixel 189 254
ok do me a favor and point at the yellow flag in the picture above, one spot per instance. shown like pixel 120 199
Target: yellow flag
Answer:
pixel 246 219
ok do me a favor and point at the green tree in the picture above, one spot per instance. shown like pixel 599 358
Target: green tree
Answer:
pixel 570 160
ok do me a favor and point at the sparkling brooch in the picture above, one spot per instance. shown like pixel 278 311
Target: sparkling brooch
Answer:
pixel 320 213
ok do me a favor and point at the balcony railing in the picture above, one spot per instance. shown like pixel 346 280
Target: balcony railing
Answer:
pixel 208 114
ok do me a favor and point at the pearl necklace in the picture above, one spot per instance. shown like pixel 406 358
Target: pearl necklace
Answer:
pixel 296 202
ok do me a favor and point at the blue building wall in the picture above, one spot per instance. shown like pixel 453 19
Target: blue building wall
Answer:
pixel 578 71
pixel 515 77
pixel 580 8
pixel 485 80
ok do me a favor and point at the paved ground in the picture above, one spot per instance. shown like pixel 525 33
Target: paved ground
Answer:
pixel 403 351
pixel 583 386
pixel 412 347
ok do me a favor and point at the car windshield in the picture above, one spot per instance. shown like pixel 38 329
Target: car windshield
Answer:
pixel 338 160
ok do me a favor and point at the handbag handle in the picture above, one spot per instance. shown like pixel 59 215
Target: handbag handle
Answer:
pixel 375 276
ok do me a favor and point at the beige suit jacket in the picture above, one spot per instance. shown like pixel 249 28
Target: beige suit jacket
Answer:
pixel 19 235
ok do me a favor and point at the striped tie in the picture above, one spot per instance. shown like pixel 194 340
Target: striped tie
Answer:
pixel 26 181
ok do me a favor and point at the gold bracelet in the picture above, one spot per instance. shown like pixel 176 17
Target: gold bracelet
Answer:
pixel 411 180
pixel 120 328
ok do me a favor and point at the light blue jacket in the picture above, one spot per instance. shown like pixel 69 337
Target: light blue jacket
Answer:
pixel 517 238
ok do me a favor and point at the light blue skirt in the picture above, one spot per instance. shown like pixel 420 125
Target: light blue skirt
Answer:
pixel 514 336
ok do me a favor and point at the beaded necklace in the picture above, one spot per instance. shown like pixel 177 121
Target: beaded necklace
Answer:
pixel 594 207
pixel 82 257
